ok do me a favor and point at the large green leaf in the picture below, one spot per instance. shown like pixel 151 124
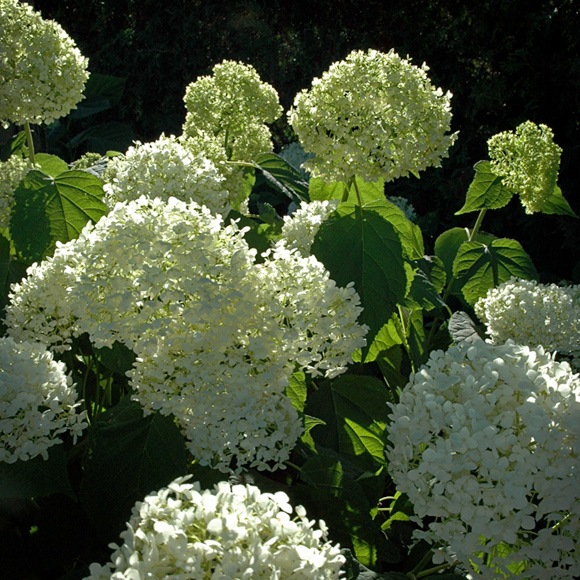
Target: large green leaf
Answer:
pixel 36 477
pixel 362 246
pixel 486 190
pixel 127 456
pixel 50 209
pixel 355 411
pixel 51 164
pixel 479 267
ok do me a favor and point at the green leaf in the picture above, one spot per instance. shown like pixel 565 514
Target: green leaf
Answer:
pixel 479 267
pixel 556 204
pixel 296 391
pixel 424 294
pixel 354 408
pixel 107 86
pixel 449 242
pixel 48 210
pixel 127 457
pixel 36 477
pixel 391 334
pixel 283 177
pixel 320 190
pixel 51 164
pixel 486 191
pixel 368 191
pixel 362 246
pixel 463 329
pixel 309 424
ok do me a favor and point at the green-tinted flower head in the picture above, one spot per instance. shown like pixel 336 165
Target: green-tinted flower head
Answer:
pixel 234 105
pixel 528 162
pixel 42 72
pixel 374 115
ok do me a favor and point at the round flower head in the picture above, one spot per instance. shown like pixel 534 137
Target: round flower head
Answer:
pixel 164 169
pixel 485 441
pixel 12 171
pixel 37 401
pixel 528 162
pixel 232 532
pixel 42 72
pixel 233 104
pixel 534 314
pixel 374 115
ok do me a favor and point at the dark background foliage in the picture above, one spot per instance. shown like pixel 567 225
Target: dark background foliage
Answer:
pixel 505 61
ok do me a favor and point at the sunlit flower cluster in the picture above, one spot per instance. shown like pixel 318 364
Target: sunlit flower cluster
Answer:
pixel 164 169
pixel 217 335
pixel 374 115
pixel 299 229
pixel 233 104
pixel 534 314
pixel 12 171
pixel 485 440
pixel 528 162
pixel 232 532
pixel 42 72
pixel 38 402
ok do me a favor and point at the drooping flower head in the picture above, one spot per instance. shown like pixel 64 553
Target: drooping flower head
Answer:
pixel 534 314
pixel 38 401
pixel 374 115
pixel 527 160
pixel 42 72
pixel 165 168
pixel 485 440
pixel 233 104
pixel 233 531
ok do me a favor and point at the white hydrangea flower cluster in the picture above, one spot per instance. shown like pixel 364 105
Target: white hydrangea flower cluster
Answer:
pixel 233 532
pixel 165 168
pixel 217 336
pixel 485 439
pixel 42 72
pixel 373 115
pixel 233 104
pixel 12 171
pixel 528 162
pixel 38 401
pixel 299 229
pixel 531 313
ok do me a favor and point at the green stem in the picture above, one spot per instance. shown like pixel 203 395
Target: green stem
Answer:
pixel 29 141
pixel 293 466
pixel 432 570
pixel 449 287
pixel 345 194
